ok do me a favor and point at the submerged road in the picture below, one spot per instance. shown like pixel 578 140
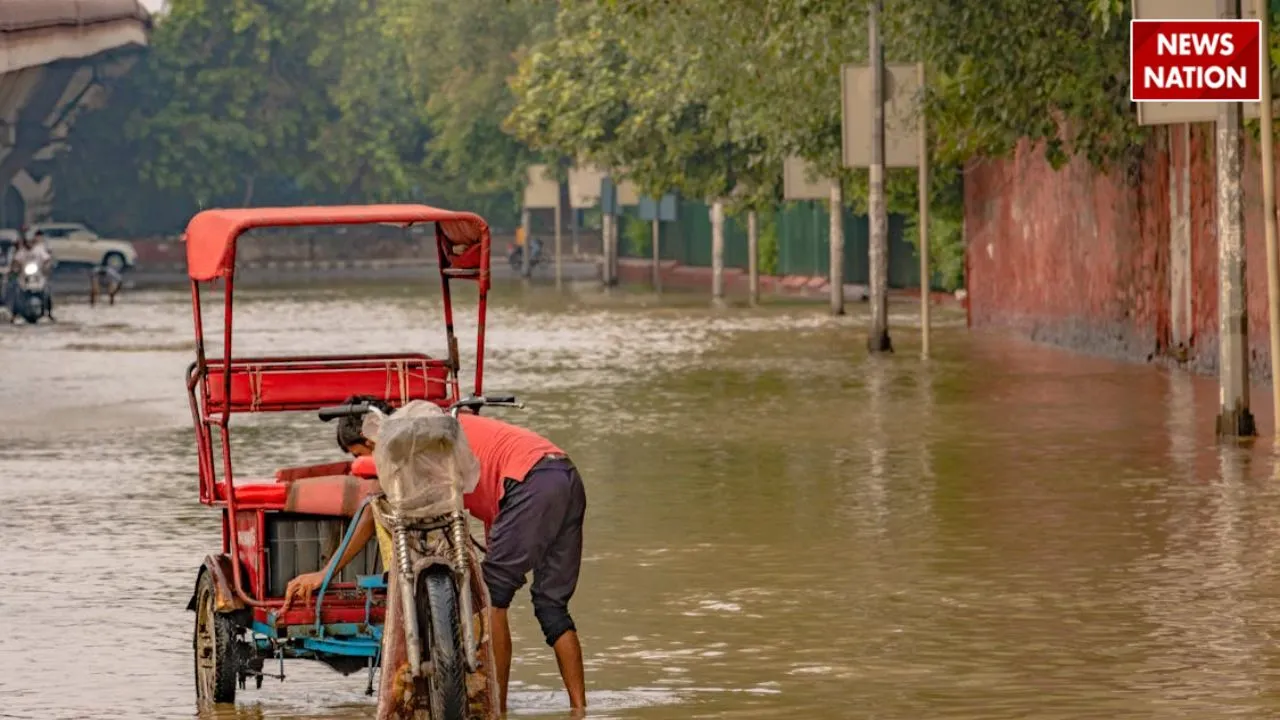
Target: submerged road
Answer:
pixel 778 526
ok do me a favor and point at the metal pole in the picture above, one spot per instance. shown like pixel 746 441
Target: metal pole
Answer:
pixel 657 268
pixel 559 247
pixel 753 260
pixel 605 221
pixel 1269 217
pixel 923 192
pixel 1234 417
pixel 878 337
pixel 526 222
pixel 836 255
pixel 717 250
pixel 614 246
pixel 575 216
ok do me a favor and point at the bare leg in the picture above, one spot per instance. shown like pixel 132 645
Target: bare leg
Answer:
pixel 569 658
pixel 501 653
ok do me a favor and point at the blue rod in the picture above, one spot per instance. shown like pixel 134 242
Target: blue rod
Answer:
pixel 342 549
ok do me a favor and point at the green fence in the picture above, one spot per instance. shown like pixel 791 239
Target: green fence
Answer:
pixel 803 239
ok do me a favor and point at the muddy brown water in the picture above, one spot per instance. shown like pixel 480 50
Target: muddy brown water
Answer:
pixel 779 527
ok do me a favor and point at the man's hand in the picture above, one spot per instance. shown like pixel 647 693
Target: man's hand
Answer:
pixel 302 588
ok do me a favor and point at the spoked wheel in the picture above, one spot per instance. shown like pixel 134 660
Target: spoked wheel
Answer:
pixel 217 653
pixel 441 631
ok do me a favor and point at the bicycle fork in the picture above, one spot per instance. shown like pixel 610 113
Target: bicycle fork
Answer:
pixel 459 538
pixel 408 604
pixel 462 570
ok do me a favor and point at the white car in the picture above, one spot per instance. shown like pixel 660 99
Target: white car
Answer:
pixel 76 244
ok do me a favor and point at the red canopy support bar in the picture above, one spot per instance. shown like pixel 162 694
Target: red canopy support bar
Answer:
pixel 463 246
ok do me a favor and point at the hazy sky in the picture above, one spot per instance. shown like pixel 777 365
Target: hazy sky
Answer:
pixel 153 5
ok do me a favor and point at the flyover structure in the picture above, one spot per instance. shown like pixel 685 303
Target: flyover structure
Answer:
pixel 56 58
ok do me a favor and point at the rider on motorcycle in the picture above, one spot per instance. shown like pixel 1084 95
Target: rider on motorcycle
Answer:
pixel 32 249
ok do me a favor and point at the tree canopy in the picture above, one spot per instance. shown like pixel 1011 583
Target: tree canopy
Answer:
pixel 249 101
pixel 293 101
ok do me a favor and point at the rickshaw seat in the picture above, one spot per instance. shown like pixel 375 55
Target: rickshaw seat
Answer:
pixel 337 495
pixel 281 384
pixel 289 474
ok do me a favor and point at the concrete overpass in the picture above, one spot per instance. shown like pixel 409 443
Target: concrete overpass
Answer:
pixel 56 57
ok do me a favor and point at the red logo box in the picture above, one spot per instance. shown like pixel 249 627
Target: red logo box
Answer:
pixel 1195 60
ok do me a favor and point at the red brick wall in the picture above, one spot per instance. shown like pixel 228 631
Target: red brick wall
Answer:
pixel 1079 258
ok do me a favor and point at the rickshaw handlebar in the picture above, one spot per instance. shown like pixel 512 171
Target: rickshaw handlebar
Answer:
pixel 339 411
pixel 474 402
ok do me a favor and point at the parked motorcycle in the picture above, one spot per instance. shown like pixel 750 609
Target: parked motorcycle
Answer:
pixel 424 468
pixel 33 297
pixel 516 255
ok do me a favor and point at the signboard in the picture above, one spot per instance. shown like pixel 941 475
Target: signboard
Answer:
pixel 902 104
pixel 1173 113
pixel 628 195
pixel 1195 60
pixel 796 182
pixel 662 210
pixel 584 186
pixel 541 191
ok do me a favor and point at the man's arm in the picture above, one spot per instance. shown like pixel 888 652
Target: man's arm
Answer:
pixel 303 586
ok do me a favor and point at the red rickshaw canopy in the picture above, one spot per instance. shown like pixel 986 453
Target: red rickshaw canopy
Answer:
pixel 211 234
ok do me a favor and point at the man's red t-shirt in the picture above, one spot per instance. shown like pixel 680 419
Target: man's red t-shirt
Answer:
pixel 504 451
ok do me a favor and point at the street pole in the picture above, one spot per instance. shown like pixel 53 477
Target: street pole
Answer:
pixel 657 256
pixel 1269 218
pixel 923 192
pixel 753 259
pixel 559 245
pixel 526 222
pixel 836 254
pixel 717 251
pixel 614 244
pixel 1234 418
pixel 605 222
pixel 878 337
pixel 575 222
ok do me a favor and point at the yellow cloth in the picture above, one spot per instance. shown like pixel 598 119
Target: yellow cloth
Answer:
pixel 384 545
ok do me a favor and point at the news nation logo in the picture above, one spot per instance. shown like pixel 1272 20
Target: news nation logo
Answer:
pixel 1195 60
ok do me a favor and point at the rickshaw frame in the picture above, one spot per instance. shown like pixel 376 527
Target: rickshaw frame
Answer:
pixel 217 388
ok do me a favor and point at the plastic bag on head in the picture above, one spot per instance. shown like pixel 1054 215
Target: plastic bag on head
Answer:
pixel 424 462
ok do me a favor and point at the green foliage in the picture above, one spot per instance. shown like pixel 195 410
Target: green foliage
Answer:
pixel 461 57
pixel 250 102
pixel 767 242
pixel 638 235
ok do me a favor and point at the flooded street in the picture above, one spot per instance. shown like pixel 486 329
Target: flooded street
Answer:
pixel 778 526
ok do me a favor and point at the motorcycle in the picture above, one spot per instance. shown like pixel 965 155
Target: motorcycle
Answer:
pixel 516 255
pixel 424 467
pixel 32 294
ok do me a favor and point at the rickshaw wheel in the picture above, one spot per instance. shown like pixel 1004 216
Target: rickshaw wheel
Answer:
pixel 217 660
pixel 447 684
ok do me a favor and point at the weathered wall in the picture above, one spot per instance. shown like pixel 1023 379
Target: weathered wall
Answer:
pixel 1090 261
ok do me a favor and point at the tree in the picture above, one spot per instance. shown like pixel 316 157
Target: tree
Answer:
pixel 461 58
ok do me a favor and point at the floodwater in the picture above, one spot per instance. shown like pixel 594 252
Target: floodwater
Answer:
pixel 778 526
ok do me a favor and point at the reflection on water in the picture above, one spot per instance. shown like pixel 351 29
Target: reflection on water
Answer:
pixel 780 527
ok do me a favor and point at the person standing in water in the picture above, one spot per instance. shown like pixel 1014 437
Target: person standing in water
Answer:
pixel 533 504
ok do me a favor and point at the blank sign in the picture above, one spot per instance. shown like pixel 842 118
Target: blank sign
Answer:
pixel 541 191
pixel 902 106
pixel 584 186
pixel 796 184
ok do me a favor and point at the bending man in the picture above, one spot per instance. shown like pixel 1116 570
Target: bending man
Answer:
pixel 532 503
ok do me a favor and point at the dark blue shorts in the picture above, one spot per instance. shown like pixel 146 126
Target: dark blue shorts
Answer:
pixel 539 529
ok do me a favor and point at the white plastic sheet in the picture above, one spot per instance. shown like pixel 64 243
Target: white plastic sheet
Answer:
pixel 424 462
